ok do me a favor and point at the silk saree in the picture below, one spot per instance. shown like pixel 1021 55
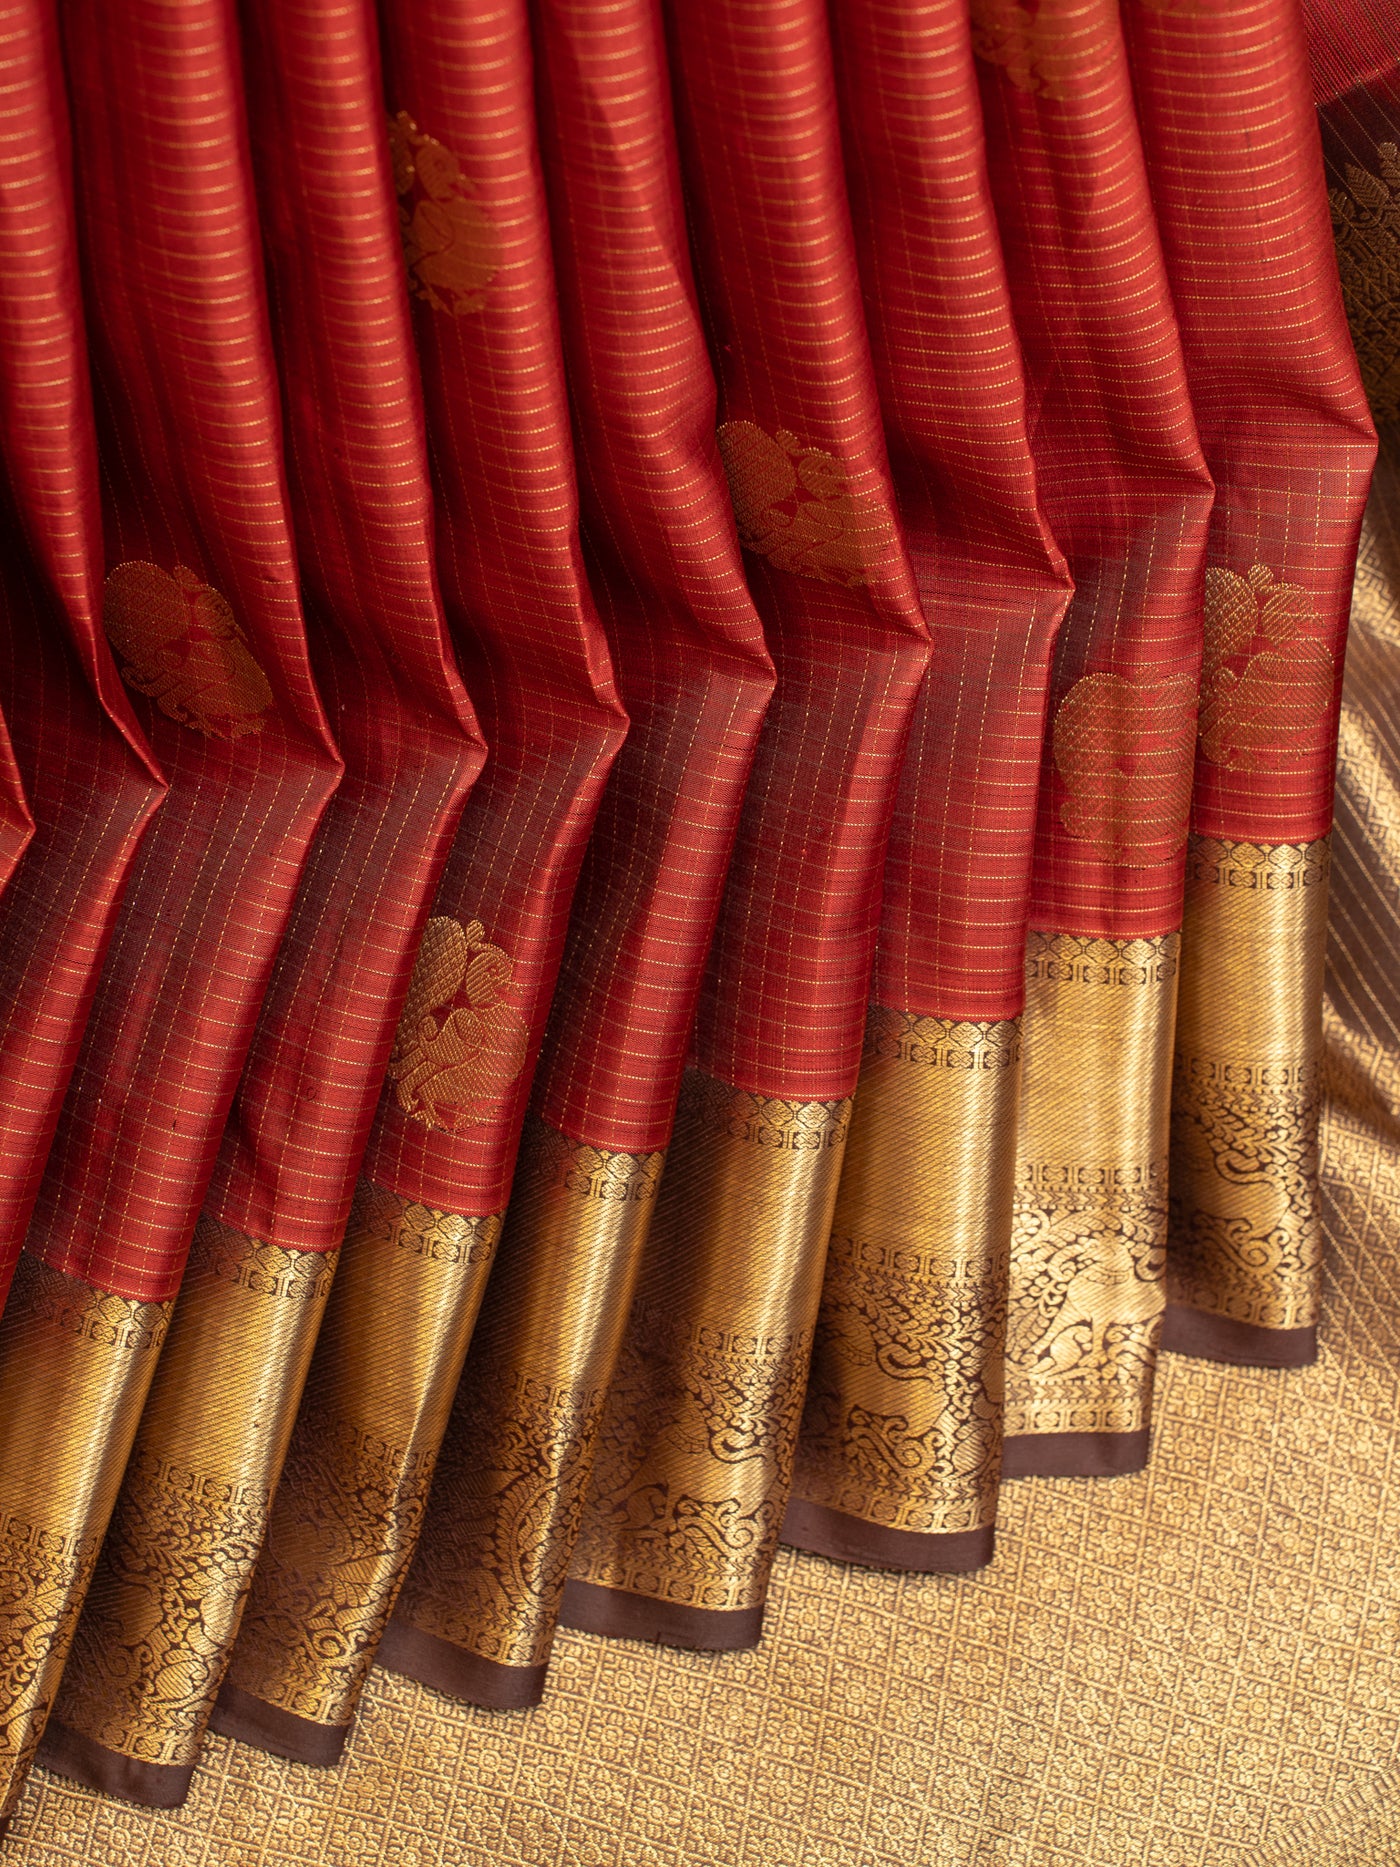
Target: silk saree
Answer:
pixel 671 695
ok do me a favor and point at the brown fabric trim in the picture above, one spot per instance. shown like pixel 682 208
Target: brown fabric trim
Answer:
pixel 1196 1332
pixel 253 1721
pixel 625 1616
pixel 827 1532
pixel 1075 1455
pixel 156 1785
pixel 446 1667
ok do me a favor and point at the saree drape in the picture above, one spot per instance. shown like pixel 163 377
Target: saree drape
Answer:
pixel 670 695
pixel 166 1596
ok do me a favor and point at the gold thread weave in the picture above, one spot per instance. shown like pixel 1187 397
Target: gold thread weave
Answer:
pixel 1246 1225
pixel 349 1506
pixel 509 1487
pixel 1087 1294
pixel 75 1364
pixel 903 1416
pixel 169 1587
pixel 695 1450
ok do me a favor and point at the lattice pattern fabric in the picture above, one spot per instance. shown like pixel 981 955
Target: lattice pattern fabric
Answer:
pixel 668 705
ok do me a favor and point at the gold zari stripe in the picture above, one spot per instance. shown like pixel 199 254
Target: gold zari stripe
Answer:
pixel 1089 1228
pixel 509 1486
pixel 165 1601
pixel 349 1506
pixel 903 1419
pixel 1246 1221
pixel 695 1451
pixel 75 1365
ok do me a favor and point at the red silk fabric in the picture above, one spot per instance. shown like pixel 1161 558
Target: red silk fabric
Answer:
pixel 664 564
pixel 1278 403
pixel 362 507
pixel 992 580
pixel 1122 479
pixel 532 650
pixel 190 450
pixel 92 782
pixel 782 1011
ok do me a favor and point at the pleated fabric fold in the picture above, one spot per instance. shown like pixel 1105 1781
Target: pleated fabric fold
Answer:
pixel 87 780
pixel 164 1605
pixel 669 680
pixel 901 1442
pixel 1128 496
pixel 200 603
pixel 1226 108
pixel 477 1610
pixel 695 1452
pixel 423 1230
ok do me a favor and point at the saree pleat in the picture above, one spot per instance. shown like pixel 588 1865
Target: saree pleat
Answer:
pixel 200 602
pixel 163 1607
pixel 695 1452
pixel 1283 421
pixel 90 778
pixel 901 1440
pixel 435 1176
pixel 477 1610
pixel 669 683
pixel 1128 497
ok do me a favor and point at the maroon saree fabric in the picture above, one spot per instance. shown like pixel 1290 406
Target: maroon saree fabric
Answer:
pixel 1128 496
pixel 1282 416
pixel 477 1610
pixel 901 1442
pixel 699 1432
pixel 229 1381
pixel 90 777
pixel 669 680
pixel 200 603
pixel 475 232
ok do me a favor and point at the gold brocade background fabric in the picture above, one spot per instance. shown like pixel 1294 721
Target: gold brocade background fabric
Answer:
pixel 1194 1667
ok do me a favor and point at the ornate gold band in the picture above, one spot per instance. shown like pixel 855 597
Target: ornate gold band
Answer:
pixel 902 1430
pixel 695 1451
pixel 1089 1229
pixel 75 1365
pixel 476 1615
pixel 1246 1223
pixel 163 1607
pixel 348 1509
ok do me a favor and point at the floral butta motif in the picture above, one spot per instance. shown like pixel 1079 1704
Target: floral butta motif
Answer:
pixel 180 644
pixel 794 506
pixel 451 246
pixel 1124 749
pixel 1366 223
pixel 1268 676
pixel 459 1047
pixel 1026 41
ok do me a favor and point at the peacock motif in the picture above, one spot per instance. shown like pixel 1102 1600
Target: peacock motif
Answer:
pixel 451 246
pixel 794 506
pixel 1268 679
pixel 459 1047
pixel 181 645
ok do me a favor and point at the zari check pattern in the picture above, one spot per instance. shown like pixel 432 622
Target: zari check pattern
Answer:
pixel 1194 1666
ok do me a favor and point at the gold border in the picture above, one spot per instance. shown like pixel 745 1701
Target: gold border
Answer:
pixel 164 1604
pixel 1089 1231
pixel 509 1487
pixel 1246 1218
pixel 903 1417
pixel 350 1503
pixel 695 1450
pixel 75 1365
